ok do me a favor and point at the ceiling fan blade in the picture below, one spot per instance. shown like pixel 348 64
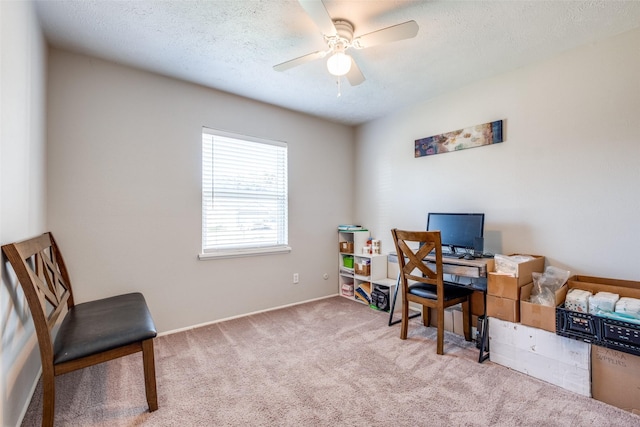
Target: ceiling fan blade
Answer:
pixel 406 30
pixel 354 75
pixel 300 60
pixel 318 13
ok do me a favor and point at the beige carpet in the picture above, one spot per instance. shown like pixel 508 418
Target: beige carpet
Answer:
pixel 331 362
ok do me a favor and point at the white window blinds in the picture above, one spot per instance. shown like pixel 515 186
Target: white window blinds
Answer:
pixel 244 194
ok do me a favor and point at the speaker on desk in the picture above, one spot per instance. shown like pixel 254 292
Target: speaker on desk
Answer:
pixel 478 246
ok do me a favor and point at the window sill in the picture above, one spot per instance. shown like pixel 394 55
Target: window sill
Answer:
pixel 244 253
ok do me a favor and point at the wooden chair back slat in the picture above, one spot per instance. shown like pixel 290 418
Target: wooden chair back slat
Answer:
pixel 412 259
pixel 20 255
pixel 44 283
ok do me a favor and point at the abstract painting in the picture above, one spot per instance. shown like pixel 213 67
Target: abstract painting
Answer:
pixel 471 137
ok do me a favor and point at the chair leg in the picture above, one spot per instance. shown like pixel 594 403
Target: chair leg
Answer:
pixel 440 345
pixel 48 398
pixel 466 319
pixel 148 361
pixel 426 316
pixel 404 327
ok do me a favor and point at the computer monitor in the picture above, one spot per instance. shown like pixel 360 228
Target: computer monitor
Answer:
pixel 457 230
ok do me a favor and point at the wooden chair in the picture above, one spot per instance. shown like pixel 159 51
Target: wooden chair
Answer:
pixel 424 285
pixel 90 333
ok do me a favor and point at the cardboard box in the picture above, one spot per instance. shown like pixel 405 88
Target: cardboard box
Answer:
pixel 448 319
pixel 541 354
pixel 474 326
pixel 501 285
pixel 453 319
pixel 458 324
pixel 346 247
pixel 615 378
pixel 362 269
pixel 624 288
pixel 503 308
pixel 536 315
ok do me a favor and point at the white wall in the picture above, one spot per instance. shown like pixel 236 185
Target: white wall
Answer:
pixel 124 167
pixel 22 193
pixel 564 184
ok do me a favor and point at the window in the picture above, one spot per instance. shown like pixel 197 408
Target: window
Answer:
pixel 244 195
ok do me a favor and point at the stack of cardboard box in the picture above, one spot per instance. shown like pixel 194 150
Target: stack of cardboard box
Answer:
pixel 503 291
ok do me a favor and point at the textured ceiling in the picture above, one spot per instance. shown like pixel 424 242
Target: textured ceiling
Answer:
pixel 232 45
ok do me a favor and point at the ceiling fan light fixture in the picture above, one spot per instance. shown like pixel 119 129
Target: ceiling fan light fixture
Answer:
pixel 339 64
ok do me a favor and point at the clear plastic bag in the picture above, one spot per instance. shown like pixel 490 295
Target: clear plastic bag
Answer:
pixel 546 284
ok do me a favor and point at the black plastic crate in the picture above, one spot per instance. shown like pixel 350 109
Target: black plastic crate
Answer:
pixel 619 335
pixel 601 331
pixel 580 326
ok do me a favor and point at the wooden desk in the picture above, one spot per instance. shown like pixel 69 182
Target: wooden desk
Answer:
pixel 468 273
pixel 474 268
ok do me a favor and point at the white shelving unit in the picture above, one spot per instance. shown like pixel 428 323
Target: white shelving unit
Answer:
pixel 365 272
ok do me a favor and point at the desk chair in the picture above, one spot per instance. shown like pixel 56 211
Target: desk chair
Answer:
pixel 424 285
pixel 90 333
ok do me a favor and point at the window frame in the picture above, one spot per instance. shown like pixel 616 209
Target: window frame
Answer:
pixel 233 252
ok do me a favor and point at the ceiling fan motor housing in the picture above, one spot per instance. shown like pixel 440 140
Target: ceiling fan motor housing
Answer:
pixel 343 37
pixel 344 29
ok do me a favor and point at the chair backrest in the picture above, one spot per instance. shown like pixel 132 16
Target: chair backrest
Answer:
pixel 411 259
pixel 43 276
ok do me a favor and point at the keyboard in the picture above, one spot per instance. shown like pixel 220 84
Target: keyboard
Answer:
pixel 449 255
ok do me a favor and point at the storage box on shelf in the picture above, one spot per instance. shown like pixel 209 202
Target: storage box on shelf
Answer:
pixel 346 290
pixel 361 271
pixel 346 247
pixel 503 291
pixel 362 267
pixel 599 330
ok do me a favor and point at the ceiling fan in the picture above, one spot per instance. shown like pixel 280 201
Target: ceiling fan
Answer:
pixel 338 34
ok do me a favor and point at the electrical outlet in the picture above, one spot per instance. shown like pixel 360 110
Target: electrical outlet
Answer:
pixel 296 278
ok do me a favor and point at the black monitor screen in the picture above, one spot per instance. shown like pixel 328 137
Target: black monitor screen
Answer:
pixel 457 229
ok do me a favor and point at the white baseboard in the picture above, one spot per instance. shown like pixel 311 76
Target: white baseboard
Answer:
pixel 174 331
pixel 23 412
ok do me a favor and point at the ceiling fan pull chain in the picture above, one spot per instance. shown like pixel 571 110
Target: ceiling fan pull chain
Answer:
pixel 338 83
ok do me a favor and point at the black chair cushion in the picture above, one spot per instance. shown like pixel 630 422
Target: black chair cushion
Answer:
pixel 425 290
pixel 96 326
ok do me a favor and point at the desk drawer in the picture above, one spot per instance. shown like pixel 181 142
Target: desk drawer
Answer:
pixel 457 270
